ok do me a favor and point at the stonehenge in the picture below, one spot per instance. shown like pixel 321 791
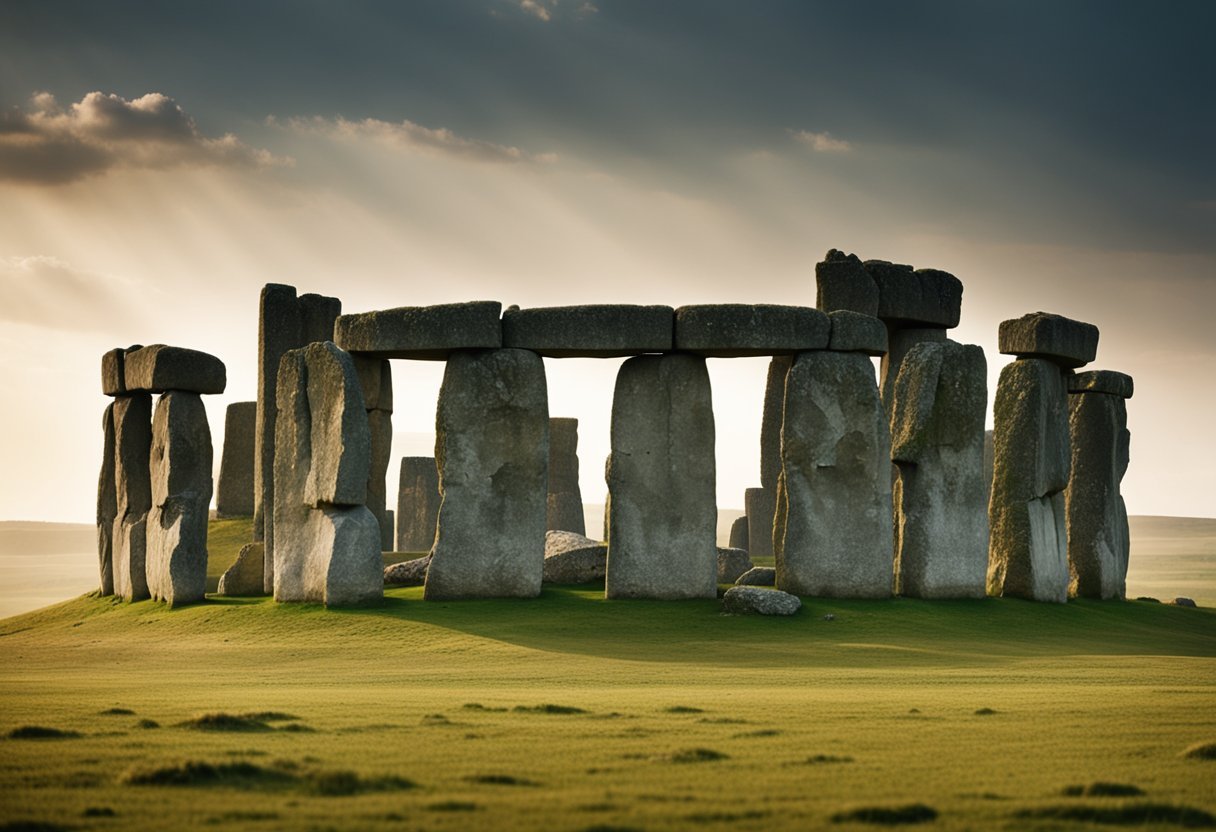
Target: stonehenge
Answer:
pixel 133 493
pixel 565 499
pixel 417 504
pixel 376 381
pixel 234 490
pixel 107 505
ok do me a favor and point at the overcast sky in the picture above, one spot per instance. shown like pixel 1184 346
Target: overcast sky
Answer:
pixel 159 162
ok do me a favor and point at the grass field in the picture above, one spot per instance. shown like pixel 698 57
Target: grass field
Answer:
pixel 572 713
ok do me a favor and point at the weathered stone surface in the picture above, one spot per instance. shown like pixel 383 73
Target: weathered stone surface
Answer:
pixel 989 462
pixel 731 564
pixel 595 331
pixel 107 505
pixel 924 297
pixel 244 578
pixel 565 500
pixel 1098 537
pixel 1183 602
pixel 133 493
pixel 842 282
pixel 1027 549
pixel 1102 381
pixel 181 496
pixel 737 330
pixel 899 342
pixel 661 479
pixel 234 492
pixel 738 533
pixel 390 517
pixel 750 600
pixel 159 369
pixel 326 545
pixel 417 504
pixel 380 427
pixel 1054 338
pixel 407 573
pixel 492 450
pixel 571 558
pixel 429 333
pixel 770 425
pixel 317 315
pixel 376 382
pixel 113 377
pixel 854 332
pixel 761 507
pixel 937 442
pixel 836 479
pixel 758 576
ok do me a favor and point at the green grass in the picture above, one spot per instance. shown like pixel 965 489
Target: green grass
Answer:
pixel 570 712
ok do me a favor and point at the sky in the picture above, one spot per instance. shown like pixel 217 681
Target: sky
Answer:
pixel 160 162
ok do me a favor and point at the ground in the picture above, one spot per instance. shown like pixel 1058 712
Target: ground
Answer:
pixel 572 713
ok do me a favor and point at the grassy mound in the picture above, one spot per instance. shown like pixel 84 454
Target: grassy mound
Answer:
pixel 888 815
pixel 1131 814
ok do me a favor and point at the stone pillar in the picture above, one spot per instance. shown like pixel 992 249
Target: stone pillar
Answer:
pixel 107 505
pixel 661 481
pixel 565 500
pixel 1027 549
pixel 327 542
pixel 760 506
pixel 492 451
pixel 234 492
pixel 376 381
pixel 1098 539
pixel 834 512
pixel 417 504
pixel 738 533
pixel 937 408
pixel 900 341
pixel 760 503
pixel 133 493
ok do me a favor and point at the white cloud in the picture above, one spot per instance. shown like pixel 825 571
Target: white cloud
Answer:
pixel 822 142
pixel 47 292
pixel 49 145
pixel 536 9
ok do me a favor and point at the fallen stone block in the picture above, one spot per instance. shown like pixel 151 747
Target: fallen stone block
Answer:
pixel 750 600
pixel 407 572
pixel 428 333
pixel 1061 340
pixel 758 576
pixel 731 564
pixel 594 331
pixel 736 330
pixel 571 558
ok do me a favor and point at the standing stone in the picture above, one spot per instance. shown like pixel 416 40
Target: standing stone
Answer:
pixel 234 492
pixel 181 495
pixel 107 505
pixel 760 502
pixel 842 282
pixel 133 493
pixel 492 450
pixel 937 443
pixel 417 504
pixel 244 577
pixel 761 507
pixel 326 541
pixel 376 381
pixel 836 480
pixel 661 479
pixel 989 461
pixel 565 508
pixel 738 533
pixel 900 342
pixel 1098 538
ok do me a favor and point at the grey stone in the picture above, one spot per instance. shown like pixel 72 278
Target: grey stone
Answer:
pixel 770 425
pixel 428 333
pixel 1102 381
pixel 133 493
pixel 160 369
pixel 234 491
pixel 937 442
pixel 326 544
pixel 571 558
pixel 390 517
pixel 836 481
pixel 731 564
pixel 737 330
pixel 417 504
pixel 317 315
pixel 1061 340
pixel 854 332
pixel 1183 602
pixel 596 331
pixel 107 505
pixel 244 577
pixel 925 297
pixel 113 377
pixel 842 282
pixel 492 450
pixel 761 506
pixel 1099 542
pixel 181 497
pixel 750 600
pixel 758 576
pixel 376 382
pixel 989 463
pixel 738 533
pixel 899 342
pixel 661 479
pixel 1027 548
pixel 380 426
pixel 407 572
pixel 565 499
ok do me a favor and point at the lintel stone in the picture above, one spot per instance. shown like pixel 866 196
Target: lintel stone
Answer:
pixel 739 330
pixel 855 332
pixel 593 331
pixel 159 369
pixel 1102 381
pixel 1055 338
pixel 921 297
pixel 429 333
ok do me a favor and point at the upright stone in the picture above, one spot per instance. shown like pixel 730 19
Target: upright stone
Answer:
pixel 492 450
pixel 836 481
pixel 326 541
pixel 842 282
pixel 937 443
pixel 1098 539
pixel 760 502
pixel 417 504
pixel 376 381
pixel 234 492
pixel 738 533
pixel 133 493
pixel 107 505
pixel 181 495
pixel 661 481
pixel 900 342
pixel 565 502
pixel 761 507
